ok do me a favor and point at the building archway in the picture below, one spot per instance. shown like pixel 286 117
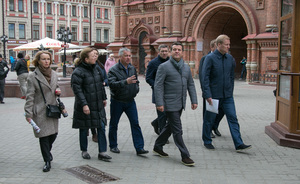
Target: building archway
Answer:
pixel 225 20
pixel 208 19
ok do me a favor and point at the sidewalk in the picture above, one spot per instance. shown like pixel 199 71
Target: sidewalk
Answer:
pixel 266 162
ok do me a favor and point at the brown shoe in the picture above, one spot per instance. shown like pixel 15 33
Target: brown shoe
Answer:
pixel 95 138
pixel 188 162
pixel 161 153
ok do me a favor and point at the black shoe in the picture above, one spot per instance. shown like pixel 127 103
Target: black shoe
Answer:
pixel 212 135
pixel 243 147
pixel 104 157
pixel 154 123
pixel 209 146
pixel 142 151
pixel 188 162
pixel 85 155
pixel 47 167
pixel 161 153
pixel 115 150
pixel 2 102
pixel 217 132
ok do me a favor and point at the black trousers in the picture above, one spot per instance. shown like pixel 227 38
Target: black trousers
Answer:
pixel 173 126
pixel 46 146
pixel 2 85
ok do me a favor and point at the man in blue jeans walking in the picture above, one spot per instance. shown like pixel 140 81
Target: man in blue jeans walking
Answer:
pixel 124 86
pixel 218 83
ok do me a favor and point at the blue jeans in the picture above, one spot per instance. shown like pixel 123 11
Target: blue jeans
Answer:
pixel 116 110
pixel 227 105
pixel 102 143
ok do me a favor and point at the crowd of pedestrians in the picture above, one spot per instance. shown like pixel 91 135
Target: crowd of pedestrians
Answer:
pixel 169 77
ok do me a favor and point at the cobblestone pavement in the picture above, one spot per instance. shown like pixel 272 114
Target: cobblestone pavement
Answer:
pixel 266 162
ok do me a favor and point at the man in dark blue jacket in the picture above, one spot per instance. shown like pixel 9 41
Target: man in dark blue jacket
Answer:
pixel 219 117
pixel 218 83
pixel 152 67
pixel 124 86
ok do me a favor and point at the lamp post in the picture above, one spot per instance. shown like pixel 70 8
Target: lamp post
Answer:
pixel 4 39
pixel 64 35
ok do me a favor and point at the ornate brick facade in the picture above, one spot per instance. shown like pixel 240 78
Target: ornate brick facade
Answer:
pixel 251 25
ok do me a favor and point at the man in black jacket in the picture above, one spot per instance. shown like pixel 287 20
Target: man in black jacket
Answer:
pixel 152 67
pixel 3 73
pixel 22 72
pixel 124 86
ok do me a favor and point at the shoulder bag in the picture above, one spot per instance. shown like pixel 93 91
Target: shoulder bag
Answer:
pixel 52 111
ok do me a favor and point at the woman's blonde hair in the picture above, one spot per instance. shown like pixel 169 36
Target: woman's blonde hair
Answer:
pixel 37 57
pixel 84 54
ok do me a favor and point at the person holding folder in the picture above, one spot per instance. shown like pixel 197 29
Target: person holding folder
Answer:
pixel 218 83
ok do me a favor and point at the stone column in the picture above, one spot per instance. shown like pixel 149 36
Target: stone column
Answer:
pixel 248 77
pixel 253 65
pixel 43 18
pixel 123 26
pixel 69 14
pixel 162 19
pixel 117 23
pixel 56 18
pixel 176 18
pixel 272 12
pixel 167 20
pixel 80 22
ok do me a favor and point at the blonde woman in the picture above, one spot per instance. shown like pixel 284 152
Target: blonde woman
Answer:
pixel 43 78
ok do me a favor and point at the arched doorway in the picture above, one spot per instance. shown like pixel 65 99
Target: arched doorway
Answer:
pixel 225 20
pixel 142 53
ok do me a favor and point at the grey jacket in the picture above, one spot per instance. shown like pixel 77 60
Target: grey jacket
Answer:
pixel 35 106
pixel 171 87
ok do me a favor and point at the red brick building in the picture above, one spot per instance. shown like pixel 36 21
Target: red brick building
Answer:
pixel 142 25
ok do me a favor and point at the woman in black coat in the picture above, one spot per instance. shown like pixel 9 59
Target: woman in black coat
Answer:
pixel 90 100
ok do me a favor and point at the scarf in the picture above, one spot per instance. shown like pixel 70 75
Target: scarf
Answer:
pixel 178 65
pixel 46 72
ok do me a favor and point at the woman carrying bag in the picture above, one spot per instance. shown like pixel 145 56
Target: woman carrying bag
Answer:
pixel 42 88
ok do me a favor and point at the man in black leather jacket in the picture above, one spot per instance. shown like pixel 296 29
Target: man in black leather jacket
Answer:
pixel 124 86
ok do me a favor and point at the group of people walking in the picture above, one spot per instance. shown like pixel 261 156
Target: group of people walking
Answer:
pixel 170 79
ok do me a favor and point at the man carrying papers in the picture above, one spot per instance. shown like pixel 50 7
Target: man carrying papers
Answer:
pixel 218 82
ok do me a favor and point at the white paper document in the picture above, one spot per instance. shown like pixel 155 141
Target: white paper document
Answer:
pixel 214 107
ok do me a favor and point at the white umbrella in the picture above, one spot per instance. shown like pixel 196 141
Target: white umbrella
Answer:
pixel 69 52
pixel 47 43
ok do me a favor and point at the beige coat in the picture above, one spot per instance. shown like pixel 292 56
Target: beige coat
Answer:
pixel 35 106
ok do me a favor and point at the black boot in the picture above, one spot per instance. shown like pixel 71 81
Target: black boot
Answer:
pixel 47 167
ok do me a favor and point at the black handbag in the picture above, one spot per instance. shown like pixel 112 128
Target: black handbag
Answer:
pixel 52 111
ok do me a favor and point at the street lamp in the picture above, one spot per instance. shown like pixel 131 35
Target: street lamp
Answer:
pixel 64 35
pixel 4 39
